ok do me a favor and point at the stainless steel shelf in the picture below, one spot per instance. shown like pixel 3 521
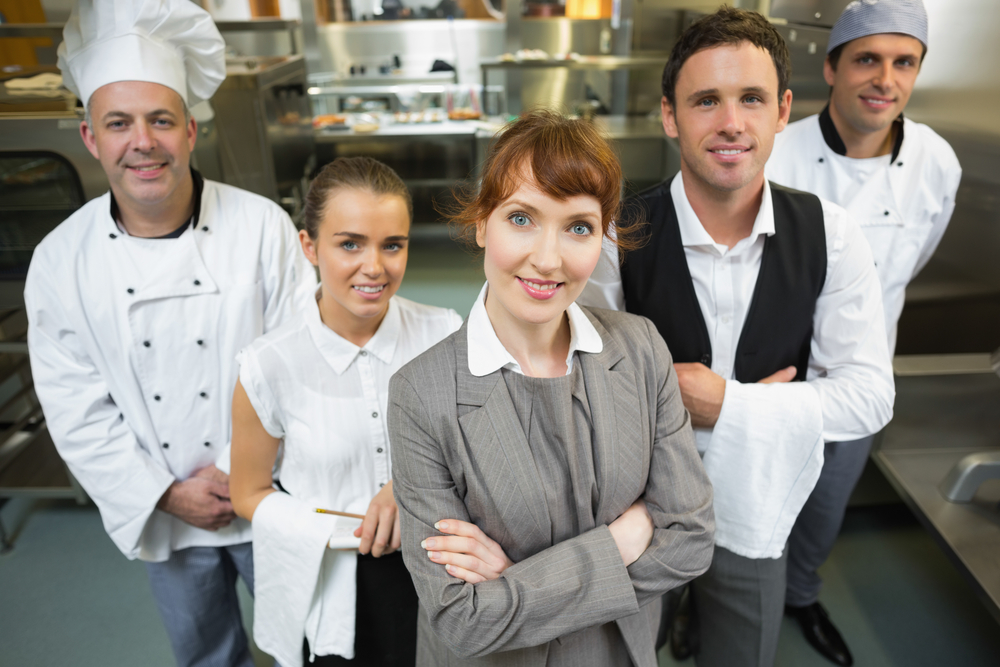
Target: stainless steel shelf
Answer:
pixel 583 62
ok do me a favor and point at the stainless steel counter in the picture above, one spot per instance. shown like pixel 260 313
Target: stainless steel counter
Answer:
pixel 939 419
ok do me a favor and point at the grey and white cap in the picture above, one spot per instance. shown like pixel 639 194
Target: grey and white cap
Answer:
pixel 862 18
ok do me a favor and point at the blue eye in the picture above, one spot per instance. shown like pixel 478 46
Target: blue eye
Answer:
pixel 581 229
pixel 520 219
pixel 349 245
pixel 392 247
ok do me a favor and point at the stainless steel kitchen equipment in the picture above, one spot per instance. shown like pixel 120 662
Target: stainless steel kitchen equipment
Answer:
pixel 264 125
pixel 46 174
pixel 947 409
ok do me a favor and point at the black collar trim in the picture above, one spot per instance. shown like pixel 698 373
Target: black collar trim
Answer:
pixel 836 144
pixel 199 185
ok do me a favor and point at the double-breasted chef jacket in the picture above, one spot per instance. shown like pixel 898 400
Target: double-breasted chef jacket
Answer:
pixel 133 346
pixel 903 201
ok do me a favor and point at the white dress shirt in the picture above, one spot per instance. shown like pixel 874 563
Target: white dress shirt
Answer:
pixel 487 354
pixel 326 399
pixel 765 452
pixel 902 205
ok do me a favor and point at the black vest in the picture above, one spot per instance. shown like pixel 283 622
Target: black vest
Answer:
pixel 779 323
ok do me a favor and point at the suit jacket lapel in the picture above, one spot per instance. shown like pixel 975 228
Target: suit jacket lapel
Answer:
pixel 500 449
pixel 618 432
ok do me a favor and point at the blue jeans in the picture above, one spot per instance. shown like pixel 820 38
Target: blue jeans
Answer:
pixel 196 594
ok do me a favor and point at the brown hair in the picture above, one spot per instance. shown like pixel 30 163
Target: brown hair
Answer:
pixel 564 157
pixel 727 26
pixel 362 173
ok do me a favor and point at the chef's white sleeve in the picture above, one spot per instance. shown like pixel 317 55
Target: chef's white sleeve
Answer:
pixel 88 429
pixel 939 222
pixel 289 279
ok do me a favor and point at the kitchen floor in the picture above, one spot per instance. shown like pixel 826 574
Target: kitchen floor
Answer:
pixel 68 597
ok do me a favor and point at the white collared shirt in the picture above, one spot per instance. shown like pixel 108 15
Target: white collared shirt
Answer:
pixel 487 354
pixel 326 398
pixel 765 452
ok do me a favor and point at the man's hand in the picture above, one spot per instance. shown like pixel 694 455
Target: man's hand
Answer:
pixel 784 375
pixel 379 532
pixel 201 500
pixel 702 392
pixel 214 474
pixel 632 532
pixel 466 552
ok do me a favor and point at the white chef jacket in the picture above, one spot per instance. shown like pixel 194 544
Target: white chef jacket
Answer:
pixel 326 398
pixel 903 205
pixel 132 343
pixel 765 453
pixel 488 355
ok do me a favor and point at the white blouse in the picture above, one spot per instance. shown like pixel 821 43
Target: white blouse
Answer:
pixel 326 399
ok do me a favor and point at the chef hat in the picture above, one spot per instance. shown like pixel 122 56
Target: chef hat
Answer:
pixel 875 17
pixel 171 42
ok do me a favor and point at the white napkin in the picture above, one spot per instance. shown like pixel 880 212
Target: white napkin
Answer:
pixel 297 585
pixel 764 458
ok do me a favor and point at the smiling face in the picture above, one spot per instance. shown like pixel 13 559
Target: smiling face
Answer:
pixel 361 250
pixel 540 252
pixel 139 134
pixel 873 80
pixel 727 113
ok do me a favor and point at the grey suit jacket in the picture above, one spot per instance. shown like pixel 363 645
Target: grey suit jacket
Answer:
pixel 459 452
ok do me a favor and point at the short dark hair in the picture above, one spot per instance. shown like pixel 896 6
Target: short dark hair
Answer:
pixel 834 55
pixel 360 173
pixel 727 26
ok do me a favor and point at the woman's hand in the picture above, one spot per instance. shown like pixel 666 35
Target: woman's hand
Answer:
pixel 633 531
pixel 466 552
pixel 379 532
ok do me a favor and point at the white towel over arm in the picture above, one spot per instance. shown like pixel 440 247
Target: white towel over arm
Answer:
pixel 293 566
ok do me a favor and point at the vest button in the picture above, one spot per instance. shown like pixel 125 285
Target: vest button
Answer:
pixel 166 445
pixel 706 359
pixel 130 290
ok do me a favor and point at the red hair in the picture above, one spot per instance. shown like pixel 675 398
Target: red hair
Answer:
pixel 563 157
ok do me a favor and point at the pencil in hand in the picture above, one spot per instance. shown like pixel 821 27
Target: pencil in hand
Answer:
pixel 320 510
